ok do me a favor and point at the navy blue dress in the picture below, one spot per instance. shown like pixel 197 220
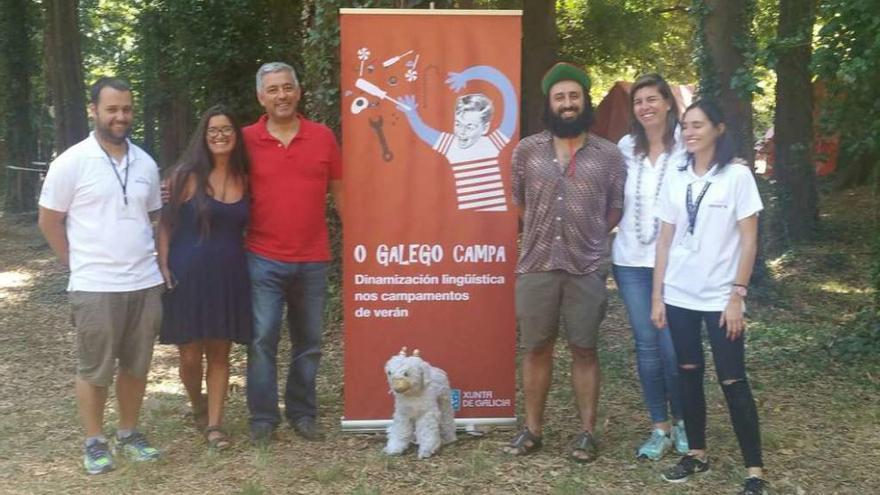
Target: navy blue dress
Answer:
pixel 212 299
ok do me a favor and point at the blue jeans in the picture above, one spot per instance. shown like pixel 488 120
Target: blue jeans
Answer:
pixel 303 287
pixel 655 353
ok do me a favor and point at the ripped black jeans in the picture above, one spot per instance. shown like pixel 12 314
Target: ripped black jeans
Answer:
pixel 685 326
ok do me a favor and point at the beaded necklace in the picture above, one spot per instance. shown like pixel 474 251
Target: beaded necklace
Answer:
pixel 638 206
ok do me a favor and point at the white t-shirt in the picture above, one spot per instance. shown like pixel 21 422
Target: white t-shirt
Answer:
pixel 627 250
pixel 701 270
pixel 111 243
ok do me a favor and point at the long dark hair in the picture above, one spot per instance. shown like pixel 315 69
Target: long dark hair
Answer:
pixel 725 148
pixel 197 161
pixel 637 129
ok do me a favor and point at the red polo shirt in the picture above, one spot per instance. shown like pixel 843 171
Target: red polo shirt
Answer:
pixel 288 190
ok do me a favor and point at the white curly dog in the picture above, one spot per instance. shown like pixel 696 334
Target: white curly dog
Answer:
pixel 422 405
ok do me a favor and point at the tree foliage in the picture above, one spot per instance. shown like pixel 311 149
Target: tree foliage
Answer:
pixel 621 39
pixel 848 61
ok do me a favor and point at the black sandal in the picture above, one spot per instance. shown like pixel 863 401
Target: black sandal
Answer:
pixel 583 448
pixel 524 443
pixel 218 442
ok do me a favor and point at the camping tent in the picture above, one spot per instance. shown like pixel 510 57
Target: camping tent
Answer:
pixel 825 147
pixel 612 113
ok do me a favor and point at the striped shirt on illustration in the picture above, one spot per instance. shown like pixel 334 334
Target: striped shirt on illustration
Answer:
pixel 478 179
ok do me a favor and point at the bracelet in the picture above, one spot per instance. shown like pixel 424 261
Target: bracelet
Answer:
pixel 741 285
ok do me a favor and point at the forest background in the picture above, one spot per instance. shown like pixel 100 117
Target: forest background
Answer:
pixel 760 58
pixel 814 324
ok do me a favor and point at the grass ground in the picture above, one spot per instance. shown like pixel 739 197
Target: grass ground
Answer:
pixel 819 406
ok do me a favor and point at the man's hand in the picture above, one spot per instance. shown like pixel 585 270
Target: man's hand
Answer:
pixel 457 81
pixel 170 280
pixel 408 100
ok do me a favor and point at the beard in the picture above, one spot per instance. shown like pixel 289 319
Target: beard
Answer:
pixel 107 133
pixel 570 127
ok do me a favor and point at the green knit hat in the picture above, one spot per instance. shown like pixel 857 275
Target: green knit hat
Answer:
pixel 564 71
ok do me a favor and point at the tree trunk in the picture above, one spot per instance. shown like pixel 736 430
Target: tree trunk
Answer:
pixel 726 24
pixel 64 72
pixel 16 63
pixel 175 116
pixel 539 51
pixel 793 125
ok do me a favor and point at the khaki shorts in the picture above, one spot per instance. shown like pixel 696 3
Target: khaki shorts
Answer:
pixel 542 298
pixel 115 325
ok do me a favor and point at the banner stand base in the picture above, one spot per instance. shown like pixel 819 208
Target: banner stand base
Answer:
pixel 471 426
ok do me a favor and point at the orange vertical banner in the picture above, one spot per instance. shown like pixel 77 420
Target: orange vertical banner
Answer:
pixel 430 115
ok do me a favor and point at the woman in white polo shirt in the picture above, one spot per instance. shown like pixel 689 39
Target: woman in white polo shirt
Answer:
pixel 705 254
pixel 653 149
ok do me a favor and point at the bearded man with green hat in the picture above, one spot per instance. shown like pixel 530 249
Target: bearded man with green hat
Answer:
pixel 568 188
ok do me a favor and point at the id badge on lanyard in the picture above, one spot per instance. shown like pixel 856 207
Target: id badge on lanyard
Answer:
pixel 124 211
pixel 689 240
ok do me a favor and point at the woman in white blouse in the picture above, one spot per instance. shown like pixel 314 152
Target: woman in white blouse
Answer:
pixel 705 255
pixel 653 150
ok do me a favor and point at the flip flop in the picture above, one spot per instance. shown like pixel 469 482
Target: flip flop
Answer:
pixel 524 443
pixel 583 448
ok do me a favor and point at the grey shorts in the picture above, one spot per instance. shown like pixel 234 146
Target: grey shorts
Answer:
pixel 113 326
pixel 542 298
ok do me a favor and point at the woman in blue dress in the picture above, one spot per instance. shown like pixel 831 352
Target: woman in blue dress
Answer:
pixel 201 255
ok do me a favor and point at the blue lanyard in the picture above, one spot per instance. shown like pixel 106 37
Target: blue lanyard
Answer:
pixel 693 208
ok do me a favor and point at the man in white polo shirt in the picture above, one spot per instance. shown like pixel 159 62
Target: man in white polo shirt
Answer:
pixel 96 209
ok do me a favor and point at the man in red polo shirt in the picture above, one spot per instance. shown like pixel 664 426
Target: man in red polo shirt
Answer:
pixel 294 162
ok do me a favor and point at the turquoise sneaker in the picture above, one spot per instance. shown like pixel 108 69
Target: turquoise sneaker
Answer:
pixel 97 458
pixel 136 447
pixel 656 446
pixel 681 438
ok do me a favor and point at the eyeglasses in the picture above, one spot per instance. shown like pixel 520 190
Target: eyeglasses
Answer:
pixel 226 130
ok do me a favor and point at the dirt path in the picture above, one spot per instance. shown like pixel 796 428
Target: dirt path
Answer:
pixel 819 415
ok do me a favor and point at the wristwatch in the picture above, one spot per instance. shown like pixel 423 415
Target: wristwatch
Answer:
pixel 740 290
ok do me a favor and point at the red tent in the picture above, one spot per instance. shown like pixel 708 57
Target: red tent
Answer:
pixel 612 113
pixel 825 148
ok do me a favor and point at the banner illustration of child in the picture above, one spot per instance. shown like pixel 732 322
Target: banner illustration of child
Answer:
pixel 470 148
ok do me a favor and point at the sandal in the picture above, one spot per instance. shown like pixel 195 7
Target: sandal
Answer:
pixel 524 443
pixel 216 442
pixel 583 448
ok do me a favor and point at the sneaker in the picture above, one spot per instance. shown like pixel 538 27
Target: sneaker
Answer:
pixel 754 486
pixel 680 436
pixel 136 447
pixel 307 428
pixel 261 435
pixel 97 458
pixel 686 467
pixel 657 445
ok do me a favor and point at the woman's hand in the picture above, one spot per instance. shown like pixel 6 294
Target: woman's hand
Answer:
pixel 658 314
pixel 732 318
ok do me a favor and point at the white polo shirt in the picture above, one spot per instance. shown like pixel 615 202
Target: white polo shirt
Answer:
pixel 701 271
pixel 111 243
pixel 627 250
